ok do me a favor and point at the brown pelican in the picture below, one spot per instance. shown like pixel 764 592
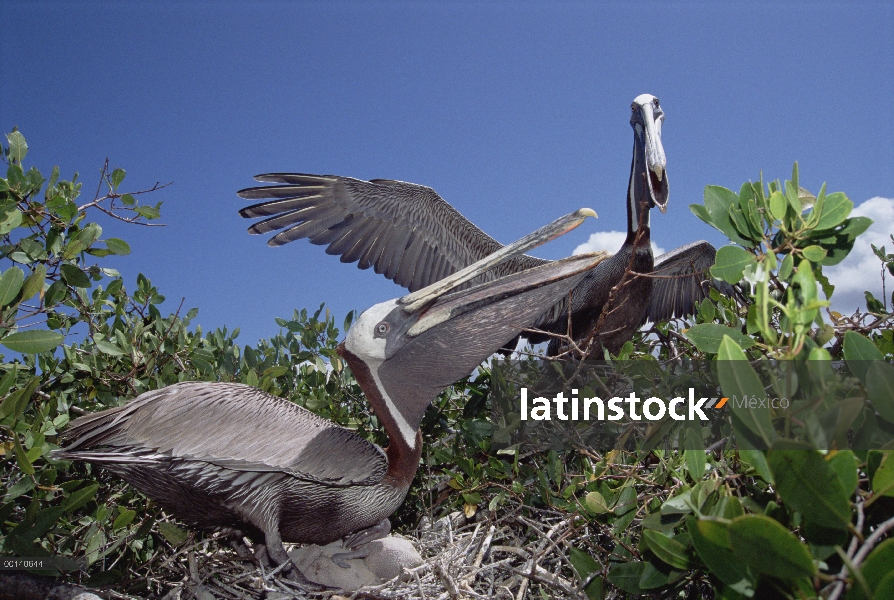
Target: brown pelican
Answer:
pixel 408 233
pixel 228 456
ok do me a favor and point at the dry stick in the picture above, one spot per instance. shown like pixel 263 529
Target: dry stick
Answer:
pixel 531 563
pixel 419 585
pixel 445 578
pixel 871 541
pixel 864 551
pixel 541 575
pixel 231 590
pixel 852 547
pixel 479 557
pixel 485 546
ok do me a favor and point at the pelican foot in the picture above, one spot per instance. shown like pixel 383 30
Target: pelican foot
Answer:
pixel 341 558
pixel 364 536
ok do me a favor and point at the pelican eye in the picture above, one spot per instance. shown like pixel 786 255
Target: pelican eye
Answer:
pixel 655 102
pixel 383 328
pixel 633 107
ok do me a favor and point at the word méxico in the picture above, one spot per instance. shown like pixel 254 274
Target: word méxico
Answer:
pixel 651 409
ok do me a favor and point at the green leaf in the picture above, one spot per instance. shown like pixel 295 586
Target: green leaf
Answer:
pixel 74 276
pixel 18 147
pixel 24 464
pixel 758 460
pixel 63 207
pixel 707 337
pixel 22 486
pixel 731 262
pixel 585 566
pixel 877 566
pixel 854 227
pixel 743 226
pixel 15 403
pixel 277 371
pixel 694 455
pixel 626 576
pixel 836 208
pixel 10 285
pixel 45 521
pixel 128 200
pixel 793 197
pixel 9 220
pixel 840 242
pixel 885 587
pixel 109 348
pixel 701 212
pixel 880 388
pixel 653 577
pixel 80 497
pixel 625 508
pixel 147 212
pixel 7 381
pixel 678 505
pixel 718 201
pixel 595 503
pixel 769 548
pixel 777 205
pixel 883 478
pixel 472 498
pixel 814 253
pixel 33 341
pixel 117 246
pixel 72 249
pixel 809 484
pixel 788 265
pixel 739 383
pixel 34 282
pixel 124 518
pixel 844 463
pixel 117 177
pixel 172 533
pixel 711 541
pixel 668 550
pixel 55 293
pixel 858 351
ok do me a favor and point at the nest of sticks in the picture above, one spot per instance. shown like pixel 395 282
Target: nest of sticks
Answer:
pixel 513 554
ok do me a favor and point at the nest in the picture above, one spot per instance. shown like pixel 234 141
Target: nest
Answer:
pixel 518 554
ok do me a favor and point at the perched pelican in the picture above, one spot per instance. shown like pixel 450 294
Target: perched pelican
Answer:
pixel 411 235
pixel 230 457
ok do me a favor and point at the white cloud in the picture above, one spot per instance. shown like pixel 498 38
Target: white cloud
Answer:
pixel 609 240
pixel 861 270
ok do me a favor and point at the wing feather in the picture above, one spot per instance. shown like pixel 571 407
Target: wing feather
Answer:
pixel 374 251
pixel 253 431
pixel 682 281
pixel 422 226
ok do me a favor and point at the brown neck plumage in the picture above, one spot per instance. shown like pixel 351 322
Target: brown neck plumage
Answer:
pixel 403 458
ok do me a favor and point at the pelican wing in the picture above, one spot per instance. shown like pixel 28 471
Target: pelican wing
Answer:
pixel 404 231
pixel 233 426
pixel 681 281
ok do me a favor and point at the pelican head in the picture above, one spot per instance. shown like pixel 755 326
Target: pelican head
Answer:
pixel 646 119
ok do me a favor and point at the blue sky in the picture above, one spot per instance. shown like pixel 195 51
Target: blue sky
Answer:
pixel 514 113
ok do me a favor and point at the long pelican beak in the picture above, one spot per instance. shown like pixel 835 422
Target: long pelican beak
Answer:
pixel 420 298
pixel 460 329
pixel 653 151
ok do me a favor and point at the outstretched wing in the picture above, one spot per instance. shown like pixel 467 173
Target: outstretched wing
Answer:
pixel 682 281
pixel 404 231
pixel 252 431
